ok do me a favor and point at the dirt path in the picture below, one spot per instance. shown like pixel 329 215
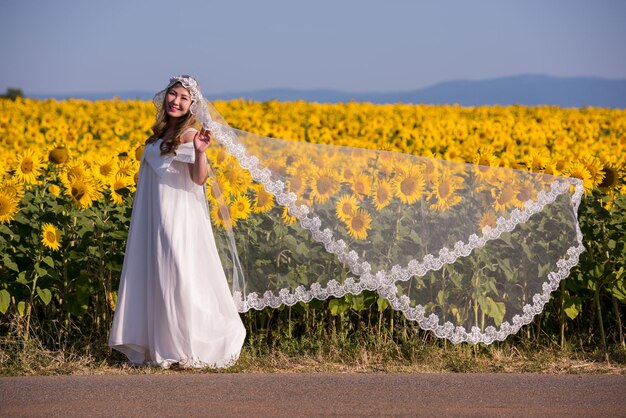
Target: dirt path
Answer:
pixel 286 395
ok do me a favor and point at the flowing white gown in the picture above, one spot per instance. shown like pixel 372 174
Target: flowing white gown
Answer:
pixel 174 304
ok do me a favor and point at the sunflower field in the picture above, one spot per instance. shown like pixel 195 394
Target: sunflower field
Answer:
pixel 68 171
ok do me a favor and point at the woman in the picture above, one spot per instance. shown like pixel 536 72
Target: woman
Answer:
pixel 174 304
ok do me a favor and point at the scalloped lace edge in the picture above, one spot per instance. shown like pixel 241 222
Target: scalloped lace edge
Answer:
pixel 383 282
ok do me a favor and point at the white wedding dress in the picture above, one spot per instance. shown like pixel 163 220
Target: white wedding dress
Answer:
pixel 174 304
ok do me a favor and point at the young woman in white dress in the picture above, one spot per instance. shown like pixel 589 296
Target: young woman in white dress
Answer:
pixel 174 304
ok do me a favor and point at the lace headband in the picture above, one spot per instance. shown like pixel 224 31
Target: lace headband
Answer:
pixel 198 106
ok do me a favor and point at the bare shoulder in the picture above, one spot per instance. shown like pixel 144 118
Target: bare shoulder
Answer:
pixel 188 135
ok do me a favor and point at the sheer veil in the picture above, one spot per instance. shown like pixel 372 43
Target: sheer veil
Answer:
pixel 470 252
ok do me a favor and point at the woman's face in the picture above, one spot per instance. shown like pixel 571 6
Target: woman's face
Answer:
pixel 177 101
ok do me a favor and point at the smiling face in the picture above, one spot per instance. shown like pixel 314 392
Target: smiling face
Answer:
pixel 177 101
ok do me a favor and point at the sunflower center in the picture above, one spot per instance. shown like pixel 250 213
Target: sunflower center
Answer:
pixel 324 184
pixel 105 169
pixel 347 208
pixel 408 185
pixel 524 194
pixel 216 192
pixel 58 155
pixel 27 166
pixel 609 178
pixel 383 194
pixel 358 223
pixel 51 236
pixel 444 189
pixel 262 199
pixel 506 196
pixel 295 183
pixel 78 192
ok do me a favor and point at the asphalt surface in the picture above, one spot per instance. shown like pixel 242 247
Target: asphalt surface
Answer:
pixel 289 395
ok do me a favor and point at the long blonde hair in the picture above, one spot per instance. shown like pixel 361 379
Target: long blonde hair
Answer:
pixel 171 142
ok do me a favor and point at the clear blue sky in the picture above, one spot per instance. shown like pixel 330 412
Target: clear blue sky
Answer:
pixel 73 46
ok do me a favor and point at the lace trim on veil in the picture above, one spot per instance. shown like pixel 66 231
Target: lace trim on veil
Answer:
pixel 383 281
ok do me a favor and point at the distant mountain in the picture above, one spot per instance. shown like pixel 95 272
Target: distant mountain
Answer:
pixel 530 90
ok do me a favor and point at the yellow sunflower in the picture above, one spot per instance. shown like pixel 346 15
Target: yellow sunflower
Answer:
pixel 82 192
pixel 8 207
pixel 324 184
pixel 240 208
pixel 408 184
pixel 552 169
pixel 220 214
pixel 217 192
pixel 275 165
pixel 386 163
pixel 382 195
pixel 525 191
pixel 612 174
pixel 13 187
pixel 59 155
pixel 263 201
pixel 117 187
pixel 104 168
pixel 236 179
pixel 219 155
pixel 431 166
pixel 579 170
pixel 444 191
pixel 50 237
pixel 119 129
pixel 504 196
pixel 287 218
pixel 484 162
pixel 347 172
pixel 595 168
pixel 358 224
pixel 74 170
pixel 28 166
pixel 346 207
pixel 125 167
pixel 537 160
pixel 361 186
pixel 488 219
pixel 453 153
pixel 296 184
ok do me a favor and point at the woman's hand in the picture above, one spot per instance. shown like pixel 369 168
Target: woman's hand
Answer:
pixel 201 140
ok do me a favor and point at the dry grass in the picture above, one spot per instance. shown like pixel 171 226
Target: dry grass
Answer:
pixel 18 358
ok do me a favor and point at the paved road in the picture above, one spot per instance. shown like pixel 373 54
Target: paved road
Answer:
pixel 288 395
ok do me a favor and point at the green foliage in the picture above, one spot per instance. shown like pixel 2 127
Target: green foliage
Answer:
pixel 68 296
pixel 67 290
pixel 596 285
